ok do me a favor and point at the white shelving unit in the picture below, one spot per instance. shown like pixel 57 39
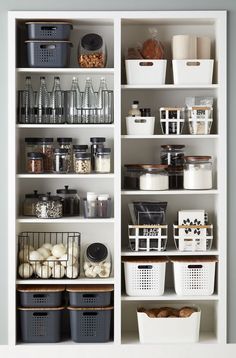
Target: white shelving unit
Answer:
pixel 120 30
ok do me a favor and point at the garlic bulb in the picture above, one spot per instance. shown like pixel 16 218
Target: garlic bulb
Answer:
pixel 44 272
pixel 50 261
pixel 47 246
pixel 44 252
pixel 72 271
pixel 35 256
pixel 36 266
pixel 24 255
pixel 58 250
pixel 67 260
pixel 25 270
pixel 58 271
pixel 90 273
pixel 104 273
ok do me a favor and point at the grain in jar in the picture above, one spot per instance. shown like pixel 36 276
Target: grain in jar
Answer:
pixel 61 161
pixel 78 148
pixel 82 163
pixel 103 160
pixel 66 143
pixel 34 163
pixel 92 51
pixel 49 207
pixel 198 172
pixel 43 146
pixel 96 142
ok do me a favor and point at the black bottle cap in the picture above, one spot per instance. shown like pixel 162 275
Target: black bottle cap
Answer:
pixel 97 252
pixel 92 42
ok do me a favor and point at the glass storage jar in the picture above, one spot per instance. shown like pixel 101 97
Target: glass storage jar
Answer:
pixel 34 163
pixel 97 261
pixel 90 206
pixel 103 160
pixel 66 143
pixel 61 161
pixel 44 146
pixel 92 51
pixel 172 154
pixel 104 206
pixel 30 202
pixel 82 163
pixel 97 142
pixel 70 201
pixel 78 148
pixel 49 207
pixel 131 176
pixel 198 172
pixel 154 177
pixel 176 177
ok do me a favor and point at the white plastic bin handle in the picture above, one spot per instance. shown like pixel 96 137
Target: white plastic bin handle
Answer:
pixel 147 63
pixel 195 266
pixel 193 63
pixel 145 267
pixel 140 121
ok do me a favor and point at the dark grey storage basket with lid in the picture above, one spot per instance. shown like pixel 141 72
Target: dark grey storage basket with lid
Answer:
pixel 50 30
pixel 41 296
pixel 90 325
pixel 40 325
pixel 53 54
pixel 90 295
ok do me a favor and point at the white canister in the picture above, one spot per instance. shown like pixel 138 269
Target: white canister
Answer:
pixel 154 177
pixel 184 47
pixel 198 173
pixel 203 48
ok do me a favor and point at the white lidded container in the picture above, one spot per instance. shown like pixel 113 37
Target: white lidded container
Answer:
pixel 145 276
pixel 154 177
pixel 194 275
pixel 192 72
pixel 198 173
pixel 170 329
pixel 145 72
pixel 138 125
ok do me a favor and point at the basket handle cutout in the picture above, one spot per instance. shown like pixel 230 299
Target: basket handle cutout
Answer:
pixel 195 266
pixel 40 295
pixel 145 267
pixel 49 47
pixel 149 63
pixel 90 313
pixel 48 28
pixel 40 314
pixel 194 63
pixel 140 121
pixel 89 295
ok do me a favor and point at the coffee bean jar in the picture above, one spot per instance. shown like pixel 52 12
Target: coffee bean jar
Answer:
pixel 70 201
pixel 131 176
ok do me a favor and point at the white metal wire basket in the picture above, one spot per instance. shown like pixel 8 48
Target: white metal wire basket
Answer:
pixel 199 238
pixel 147 237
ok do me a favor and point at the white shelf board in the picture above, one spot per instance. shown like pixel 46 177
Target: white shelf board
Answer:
pixel 170 296
pixel 65 176
pixel 168 86
pixel 163 136
pixel 65 126
pixel 205 338
pixel 170 192
pixel 21 345
pixel 65 220
pixel 77 281
pixel 169 253
pixel 53 71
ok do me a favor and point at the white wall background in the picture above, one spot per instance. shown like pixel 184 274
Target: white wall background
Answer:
pixel 230 6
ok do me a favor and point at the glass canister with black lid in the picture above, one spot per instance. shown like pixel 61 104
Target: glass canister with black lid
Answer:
pixel 43 146
pixel 49 207
pixel 172 154
pixel 78 148
pixel 92 51
pixel 66 143
pixel 96 142
pixel 131 176
pixel 70 201
pixel 30 202
pixel 97 261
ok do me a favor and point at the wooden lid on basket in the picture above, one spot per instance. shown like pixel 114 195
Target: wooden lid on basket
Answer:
pixel 90 288
pixel 108 308
pixel 194 259
pixel 40 288
pixel 40 309
pixel 144 259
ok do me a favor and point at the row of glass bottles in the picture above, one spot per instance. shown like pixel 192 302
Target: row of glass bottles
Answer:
pixel 58 106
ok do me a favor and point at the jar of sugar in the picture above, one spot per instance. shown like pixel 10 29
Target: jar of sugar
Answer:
pixel 198 172
pixel 154 177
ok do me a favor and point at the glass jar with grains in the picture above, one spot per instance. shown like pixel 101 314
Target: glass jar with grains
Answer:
pixel 92 51
pixel 49 207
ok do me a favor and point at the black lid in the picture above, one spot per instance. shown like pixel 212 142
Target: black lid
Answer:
pixel 61 150
pixel 173 146
pixel 33 195
pixel 97 139
pixel 92 42
pixel 35 155
pixel 64 140
pixel 38 140
pixel 82 155
pixel 97 252
pixel 50 197
pixel 135 102
pixel 80 147
pixel 104 150
pixel 66 190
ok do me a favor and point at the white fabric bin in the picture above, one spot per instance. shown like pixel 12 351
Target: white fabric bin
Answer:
pixel 169 330
pixel 192 72
pixel 145 72
pixel 140 125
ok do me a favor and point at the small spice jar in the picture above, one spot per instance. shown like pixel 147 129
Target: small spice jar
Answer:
pixel 154 177
pixel 34 163
pixel 70 201
pixel 78 148
pixel 82 163
pixel 198 172
pixel 49 207
pixel 104 206
pixel 172 154
pixel 30 202
pixel 61 161
pixel 66 143
pixel 103 160
pixel 131 176
pixel 97 261
pixel 92 51
pixel 97 142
